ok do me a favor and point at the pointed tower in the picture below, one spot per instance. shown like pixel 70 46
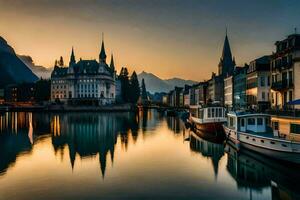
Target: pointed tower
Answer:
pixel 72 59
pixel 102 55
pixel 112 63
pixel 226 65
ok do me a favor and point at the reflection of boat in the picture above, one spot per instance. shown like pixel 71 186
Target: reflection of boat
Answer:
pixel 208 118
pixel 256 172
pixel 208 149
pixel 252 131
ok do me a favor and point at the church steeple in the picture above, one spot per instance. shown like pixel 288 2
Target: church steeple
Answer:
pixel 102 55
pixel 72 58
pixel 112 63
pixel 226 65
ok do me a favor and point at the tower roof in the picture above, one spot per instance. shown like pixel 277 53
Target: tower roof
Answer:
pixel 226 54
pixel 72 58
pixel 112 63
pixel 102 55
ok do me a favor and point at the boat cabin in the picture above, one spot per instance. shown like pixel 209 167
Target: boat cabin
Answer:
pixel 211 112
pixel 248 122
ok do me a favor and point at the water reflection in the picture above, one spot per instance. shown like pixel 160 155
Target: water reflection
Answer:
pixel 88 135
pixel 208 149
pixel 254 173
pixel 142 146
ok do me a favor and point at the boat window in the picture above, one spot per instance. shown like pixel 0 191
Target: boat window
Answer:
pixel 217 112
pixel 262 141
pixel 220 111
pixel 267 121
pixel 284 145
pixel 259 121
pixel 242 122
pixel 253 139
pixel 208 113
pixel 272 142
pixel 212 112
pixel 247 137
pixel 251 121
pixel 295 128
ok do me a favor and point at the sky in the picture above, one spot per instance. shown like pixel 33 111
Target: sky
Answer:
pixel 170 38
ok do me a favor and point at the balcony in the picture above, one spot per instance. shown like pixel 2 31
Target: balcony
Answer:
pixel 282 85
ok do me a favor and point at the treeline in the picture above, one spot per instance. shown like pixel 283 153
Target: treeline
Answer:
pixel 130 87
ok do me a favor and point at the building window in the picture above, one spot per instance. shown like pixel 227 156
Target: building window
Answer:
pixel 263 95
pixel 290 95
pixel 262 81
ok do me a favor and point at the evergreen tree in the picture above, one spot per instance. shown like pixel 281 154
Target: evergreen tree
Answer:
pixel 144 91
pixel 61 62
pixel 125 87
pixel 134 88
pixel 42 90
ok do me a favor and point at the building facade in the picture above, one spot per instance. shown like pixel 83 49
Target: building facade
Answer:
pixel 239 87
pixel 228 92
pixel 258 83
pixel 285 68
pixel 85 81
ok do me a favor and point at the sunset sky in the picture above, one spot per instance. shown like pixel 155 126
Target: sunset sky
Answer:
pixel 170 38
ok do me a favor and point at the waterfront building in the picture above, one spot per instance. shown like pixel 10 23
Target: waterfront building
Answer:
pixel 228 92
pixel 216 89
pixel 258 83
pixel 186 95
pixel 176 97
pixel 201 93
pixel 22 93
pixel 285 68
pixel 239 87
pixel 85 81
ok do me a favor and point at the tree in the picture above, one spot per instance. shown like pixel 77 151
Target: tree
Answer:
pixel 144 91
pixel 61 62
pixel 134 88
pixel 42 90
pixel 125 91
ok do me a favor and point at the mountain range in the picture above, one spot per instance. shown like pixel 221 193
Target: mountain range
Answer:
pixel 155 84
pixel 13 70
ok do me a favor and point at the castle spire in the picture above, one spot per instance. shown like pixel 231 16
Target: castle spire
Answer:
pixel 72 58
pixel 102 55
pixel 226 65
pixel 112 63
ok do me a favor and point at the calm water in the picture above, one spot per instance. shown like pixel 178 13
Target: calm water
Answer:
pixel 128 156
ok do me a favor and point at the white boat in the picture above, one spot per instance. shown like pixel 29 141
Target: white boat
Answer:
pixel 253 131
pixel 208 119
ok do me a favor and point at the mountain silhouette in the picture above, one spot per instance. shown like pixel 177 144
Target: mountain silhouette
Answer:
pixel 13 70
pixel 156 84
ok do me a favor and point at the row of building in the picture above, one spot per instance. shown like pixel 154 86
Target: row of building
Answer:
pixel 266 82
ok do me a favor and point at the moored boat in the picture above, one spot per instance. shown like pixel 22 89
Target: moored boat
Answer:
pixel 253 131
pixel 208 119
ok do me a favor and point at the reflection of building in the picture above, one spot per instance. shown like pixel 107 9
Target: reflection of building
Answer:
pixel 15 138
pixel 85 81
pixel 255 172
pixel 88 135
pixel 175 124
pixel 208 149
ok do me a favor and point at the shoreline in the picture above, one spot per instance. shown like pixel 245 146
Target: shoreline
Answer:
pixel 66 108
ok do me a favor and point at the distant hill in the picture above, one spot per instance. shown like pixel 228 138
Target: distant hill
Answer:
pixel 38 70
pixel 155 84
pixel 13 70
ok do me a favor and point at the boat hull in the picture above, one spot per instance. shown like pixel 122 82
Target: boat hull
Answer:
pixel 274 148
